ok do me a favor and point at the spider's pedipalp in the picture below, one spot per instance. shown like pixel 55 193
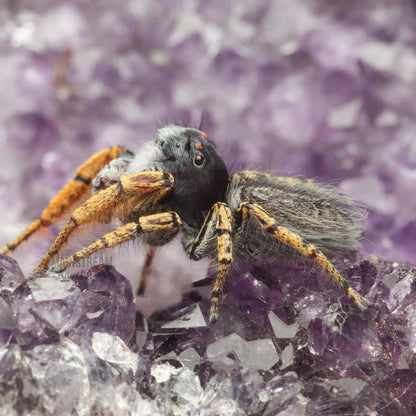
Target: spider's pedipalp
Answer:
pixel 68 195
pixel 134 192
pixel 168 223
pixel 300 245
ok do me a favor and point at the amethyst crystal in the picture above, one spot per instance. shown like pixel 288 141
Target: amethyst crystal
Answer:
pixel 317 88
pixel 10 274
pixel 70 339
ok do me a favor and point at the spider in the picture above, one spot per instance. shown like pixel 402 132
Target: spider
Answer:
pixel 179 182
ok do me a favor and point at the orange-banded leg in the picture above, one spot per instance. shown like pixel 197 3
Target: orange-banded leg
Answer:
pixel 299 244
pixel 133 192
pixel 218 221
pixel 166 223
pixel 225 256
pixel 145 271
pixel 68 195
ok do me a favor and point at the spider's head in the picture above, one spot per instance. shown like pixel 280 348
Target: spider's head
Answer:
pixel 201 177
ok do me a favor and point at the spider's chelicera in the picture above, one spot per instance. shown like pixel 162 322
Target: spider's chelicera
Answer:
pixel 179 182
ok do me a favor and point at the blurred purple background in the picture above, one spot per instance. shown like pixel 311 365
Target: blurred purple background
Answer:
pixel 322 89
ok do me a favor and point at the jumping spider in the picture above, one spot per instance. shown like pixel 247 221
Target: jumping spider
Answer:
pixel 179 182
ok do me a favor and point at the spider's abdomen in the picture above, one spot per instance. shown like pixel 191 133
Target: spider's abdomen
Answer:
pixel 318 214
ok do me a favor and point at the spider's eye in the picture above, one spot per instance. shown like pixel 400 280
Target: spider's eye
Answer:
pixel 199 160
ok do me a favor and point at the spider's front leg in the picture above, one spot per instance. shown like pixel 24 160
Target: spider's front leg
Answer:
pixel 133 192
pixel 218 222
pixel 166 224
pixel 299 244
pixel 68 195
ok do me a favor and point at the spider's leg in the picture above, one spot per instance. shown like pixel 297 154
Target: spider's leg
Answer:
pixel 68 195
pixel 225 256
pixel 145 270
pixel 298 243
pixel 219 222
pixel 168 223
pixel 118 200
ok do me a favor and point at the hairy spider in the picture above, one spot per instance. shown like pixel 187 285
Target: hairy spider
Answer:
pixel 179 182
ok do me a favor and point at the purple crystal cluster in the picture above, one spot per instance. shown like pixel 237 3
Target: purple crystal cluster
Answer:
pixel 317 88
pixel 286 344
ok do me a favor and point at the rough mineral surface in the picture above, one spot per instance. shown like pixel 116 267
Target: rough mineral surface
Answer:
pixel 317 88
pixel 287 344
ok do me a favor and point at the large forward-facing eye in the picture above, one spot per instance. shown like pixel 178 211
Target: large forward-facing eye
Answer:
pixel 199 160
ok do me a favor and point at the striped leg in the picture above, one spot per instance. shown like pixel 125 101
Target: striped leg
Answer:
pixel 145 271
pixel 218 221
pixel 167 223
pixel 68 195
pixel 117 201
pixel 298 243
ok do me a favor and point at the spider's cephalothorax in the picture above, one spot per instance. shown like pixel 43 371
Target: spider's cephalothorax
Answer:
pixel 180 182
pixel 200 175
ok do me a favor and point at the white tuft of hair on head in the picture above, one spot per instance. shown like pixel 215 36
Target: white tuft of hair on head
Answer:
pixel 146 158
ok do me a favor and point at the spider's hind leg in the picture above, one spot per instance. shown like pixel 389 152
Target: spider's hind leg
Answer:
pixel 68 195
pixel 303 247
